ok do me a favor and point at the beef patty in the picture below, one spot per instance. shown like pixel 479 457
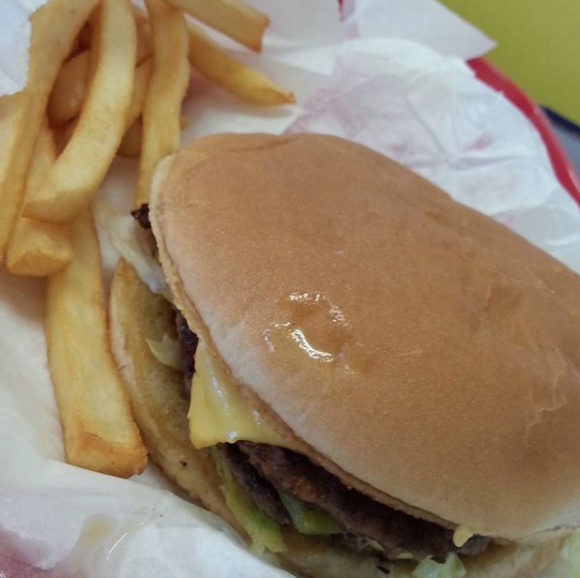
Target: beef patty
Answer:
pixel 357 514
pixel 262 492
pixel 188 341
pixel 141 215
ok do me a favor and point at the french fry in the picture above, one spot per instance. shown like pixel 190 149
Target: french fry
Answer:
pixel 142 74
pixel 38 249
pixel 143 35
pixel 130 146
pixel 99 431
pixel 68 95
pixel 62 135
pixel 140 15
pixel 71 85
pixel 215 64
pixel 167 86
pixel 75 48
pixel 219 67
pixel 84 162
pixel 144 48
pixel 142 79
pixel 231 17
pixel 69 90
pixel 54 28
pixel 85 36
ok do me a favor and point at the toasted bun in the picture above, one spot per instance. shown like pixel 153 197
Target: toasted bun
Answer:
pixel 421 351
pixel 155 390
pixel 161 413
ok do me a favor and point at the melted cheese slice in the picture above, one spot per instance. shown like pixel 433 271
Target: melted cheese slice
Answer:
pixel 218 412
pixel 461 535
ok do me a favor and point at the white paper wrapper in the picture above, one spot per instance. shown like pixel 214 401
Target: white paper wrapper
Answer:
pixel 14 41
pixel 405 100
pixel 432 25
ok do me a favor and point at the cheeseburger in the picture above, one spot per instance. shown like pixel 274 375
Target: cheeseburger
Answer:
pixel 360 375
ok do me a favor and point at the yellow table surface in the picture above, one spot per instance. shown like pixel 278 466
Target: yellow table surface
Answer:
pixel 538 46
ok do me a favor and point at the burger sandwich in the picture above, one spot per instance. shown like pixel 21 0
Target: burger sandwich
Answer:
pixel 361 376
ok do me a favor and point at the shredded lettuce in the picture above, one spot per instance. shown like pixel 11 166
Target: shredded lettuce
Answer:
pixel 264 531
pixel 311 521
pixel 166 351
pixel 131 242
pixel 451 568
pixel 571 554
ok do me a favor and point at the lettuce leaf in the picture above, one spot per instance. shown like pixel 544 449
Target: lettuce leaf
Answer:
pixel 264 531
pixel 571 554
pixel 166 351
pixel 311 521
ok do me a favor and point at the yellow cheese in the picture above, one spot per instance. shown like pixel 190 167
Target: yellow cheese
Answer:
pixel 218 412
pixel 461 535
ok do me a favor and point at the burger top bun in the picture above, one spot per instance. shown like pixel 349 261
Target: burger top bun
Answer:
pixel 424 353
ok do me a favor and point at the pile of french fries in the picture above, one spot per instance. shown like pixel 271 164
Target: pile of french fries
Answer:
pixel 105 78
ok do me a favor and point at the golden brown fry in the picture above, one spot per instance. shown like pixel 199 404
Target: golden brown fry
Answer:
pixel 130 146
pixel 144 48
pixel 85 36
pixel 231 17
pixel 99 431
pixel 83 164
pixel 215 64
pixel 142 78
pixel 54 28
pixel 69 89
pixel 140 15
pixel 62 135
pixel 38 249
pixel 167 87
pixel 234 77
pixel 71 84
pixel 75 48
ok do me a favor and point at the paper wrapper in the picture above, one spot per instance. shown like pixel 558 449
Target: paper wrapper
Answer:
pixel 14 41
pixel 421 107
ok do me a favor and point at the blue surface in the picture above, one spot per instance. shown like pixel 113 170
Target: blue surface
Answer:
pixel 569 135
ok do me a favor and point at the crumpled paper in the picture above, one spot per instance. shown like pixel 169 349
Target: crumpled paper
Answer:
pixel 371 19
pixel 384 90
pixel 14 42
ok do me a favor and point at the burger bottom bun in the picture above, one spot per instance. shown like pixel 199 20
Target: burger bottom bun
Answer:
pixel 136 314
